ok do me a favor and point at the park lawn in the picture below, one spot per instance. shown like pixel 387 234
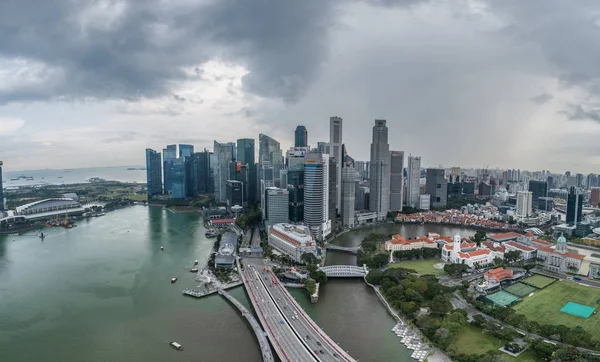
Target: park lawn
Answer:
pixel 420 266
pixel 539 281
pixel 544 306
pixel 471 340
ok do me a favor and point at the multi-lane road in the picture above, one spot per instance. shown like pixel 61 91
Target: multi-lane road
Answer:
pixel 295 331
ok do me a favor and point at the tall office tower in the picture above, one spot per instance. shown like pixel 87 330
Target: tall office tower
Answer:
pixel 186 150
pixel 235 195
pixel 169 155
pixel 574 206
pixel 362 196
pixel 178 179
pixel 313 192
pixel 323 147
pixel 348 194
pixel 199 178
pixel 538 189
pixel 335 150
pixel 396 180
pixel 332 205
pixel 240 172
pixel 437 187
pixel 301 137
pixel 270 150
pixel 524 204
pixel 2 208
pixel 283 178
pixel 325 202
pixel 550 182
pixel 579 180
pixel 379 178
pixel 245 151
pixel 295 186
pixel 276 206
pixel 413 181
pixel 223 155
pixel 153 175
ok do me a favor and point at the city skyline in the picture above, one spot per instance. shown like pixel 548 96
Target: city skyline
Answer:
pixel 491 68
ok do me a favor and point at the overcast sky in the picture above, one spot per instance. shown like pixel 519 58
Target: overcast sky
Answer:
pixel 461 83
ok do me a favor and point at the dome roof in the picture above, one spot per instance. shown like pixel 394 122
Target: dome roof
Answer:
pixel 561 239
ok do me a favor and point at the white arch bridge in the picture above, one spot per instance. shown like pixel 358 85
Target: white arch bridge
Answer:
pixel 345 271
pixel 347 249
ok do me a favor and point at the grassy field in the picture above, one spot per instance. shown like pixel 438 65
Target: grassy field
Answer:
pixel 420 266
pixel 539 281
pixel 130 196
pixel 544 307
pixel 472 340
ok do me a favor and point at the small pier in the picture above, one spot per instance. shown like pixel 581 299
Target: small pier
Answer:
pixel 198 293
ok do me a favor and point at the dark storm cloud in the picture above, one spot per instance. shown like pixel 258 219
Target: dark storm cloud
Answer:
pixel 580 113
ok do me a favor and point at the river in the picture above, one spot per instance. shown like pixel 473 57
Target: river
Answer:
pixel 102 292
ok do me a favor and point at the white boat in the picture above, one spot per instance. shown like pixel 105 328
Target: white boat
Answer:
pixel 176 345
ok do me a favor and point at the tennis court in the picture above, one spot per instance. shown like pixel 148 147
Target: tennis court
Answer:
pixel 520 290
pixel 502 298
pixel 579 310
pixel 539 281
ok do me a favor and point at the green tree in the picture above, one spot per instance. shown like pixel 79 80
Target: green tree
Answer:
pixel 479 236
pixel 512 256
pixel 440 305
pixel 379 260
pixel 311 286
pixel 456 269
pixel 374 277
pixel 309 258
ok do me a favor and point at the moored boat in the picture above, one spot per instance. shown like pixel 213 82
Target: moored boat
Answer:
pixel 176 345
pixel 194 270
pixel 173 280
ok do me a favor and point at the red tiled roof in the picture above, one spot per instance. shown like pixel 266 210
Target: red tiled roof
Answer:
pixel 466 245
pixel 529 233
pixel 222 221
pixel 490 245
pixel 542 242
pixel 519 246
pixel 474 253
pixel 399 239
pixel 568 254
pixel 499 273
pixel 508 235
pixel 448 247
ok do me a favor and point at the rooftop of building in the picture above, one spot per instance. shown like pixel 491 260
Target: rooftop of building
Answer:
pixel 490 245
pixel 519 246
pixel 505 236
pixel 568 253
pixel 474 253
pixel 499 273
pixel 400 240
pixel 295 234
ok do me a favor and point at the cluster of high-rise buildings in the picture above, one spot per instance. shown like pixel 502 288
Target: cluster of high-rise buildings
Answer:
pixel 315 186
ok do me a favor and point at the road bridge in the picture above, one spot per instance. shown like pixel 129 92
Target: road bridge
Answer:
pixel 265 348
pixel 345 271
pixel 347 249
pixel 298 331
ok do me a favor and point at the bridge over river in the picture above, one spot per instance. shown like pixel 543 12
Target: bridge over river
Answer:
pixel 345 271
pixel 347 249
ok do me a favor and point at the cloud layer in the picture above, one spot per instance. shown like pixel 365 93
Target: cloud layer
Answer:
pixel 464 82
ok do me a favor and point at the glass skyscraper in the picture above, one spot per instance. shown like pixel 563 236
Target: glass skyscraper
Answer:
pixel 301 137
pixel 177 176
pixel 313 192
pixel 169 155
pixel 186 150
pixel 153 174
pixel 223 155
pixel 245 151
pixel 1 192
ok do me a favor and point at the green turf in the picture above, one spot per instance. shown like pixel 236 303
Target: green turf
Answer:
pixel 579 310
pixel 520 290
pixel 472 340
pixel 420 266
pixel 544 307
pixel 502 298
pixel 539 281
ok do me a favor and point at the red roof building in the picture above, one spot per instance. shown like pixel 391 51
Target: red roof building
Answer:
pixel 497 275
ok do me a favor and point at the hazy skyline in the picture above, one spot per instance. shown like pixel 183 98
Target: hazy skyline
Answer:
pixel 466 83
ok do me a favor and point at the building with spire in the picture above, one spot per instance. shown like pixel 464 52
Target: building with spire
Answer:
pixel 461 251
pixel 559 259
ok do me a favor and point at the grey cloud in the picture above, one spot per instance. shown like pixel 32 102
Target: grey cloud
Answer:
pixel 542 98
pixel 580 113
pixel 125 137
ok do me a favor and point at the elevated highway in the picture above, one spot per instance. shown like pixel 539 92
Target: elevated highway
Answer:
pixel 265 349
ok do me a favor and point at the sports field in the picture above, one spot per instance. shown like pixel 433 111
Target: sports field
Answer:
pixel 502 298
pixel 579 310
pixel 520 289
pixel 545 305
pixel 420 266
pixel 539 281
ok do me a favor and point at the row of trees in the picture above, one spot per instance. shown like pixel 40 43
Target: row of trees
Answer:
pixel 423 253
pixel 369 251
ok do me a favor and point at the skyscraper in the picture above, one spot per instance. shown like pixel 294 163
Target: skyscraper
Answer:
pixel 2 190
pixel 574 206
pixel 396 180
pixel 413 181
pixel 177 178
pixel 313 192
pixel 186 150
pixel 153 175
pixel 223 155
pixel 379 180
pixel 276 206
pixel 301 137
pixel 169 154
pixel 348 194
pixel 524 204
pixel 323 147
pixel 325 202
pixel 538 189
pixel 199 178
pixel 335 144
pixel 245 151
pixel 332 207
pixel 437 187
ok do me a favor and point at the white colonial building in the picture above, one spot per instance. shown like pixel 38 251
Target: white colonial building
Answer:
pixel 292 240
pixel 559 260
pixel 399 243
pixel 462 252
